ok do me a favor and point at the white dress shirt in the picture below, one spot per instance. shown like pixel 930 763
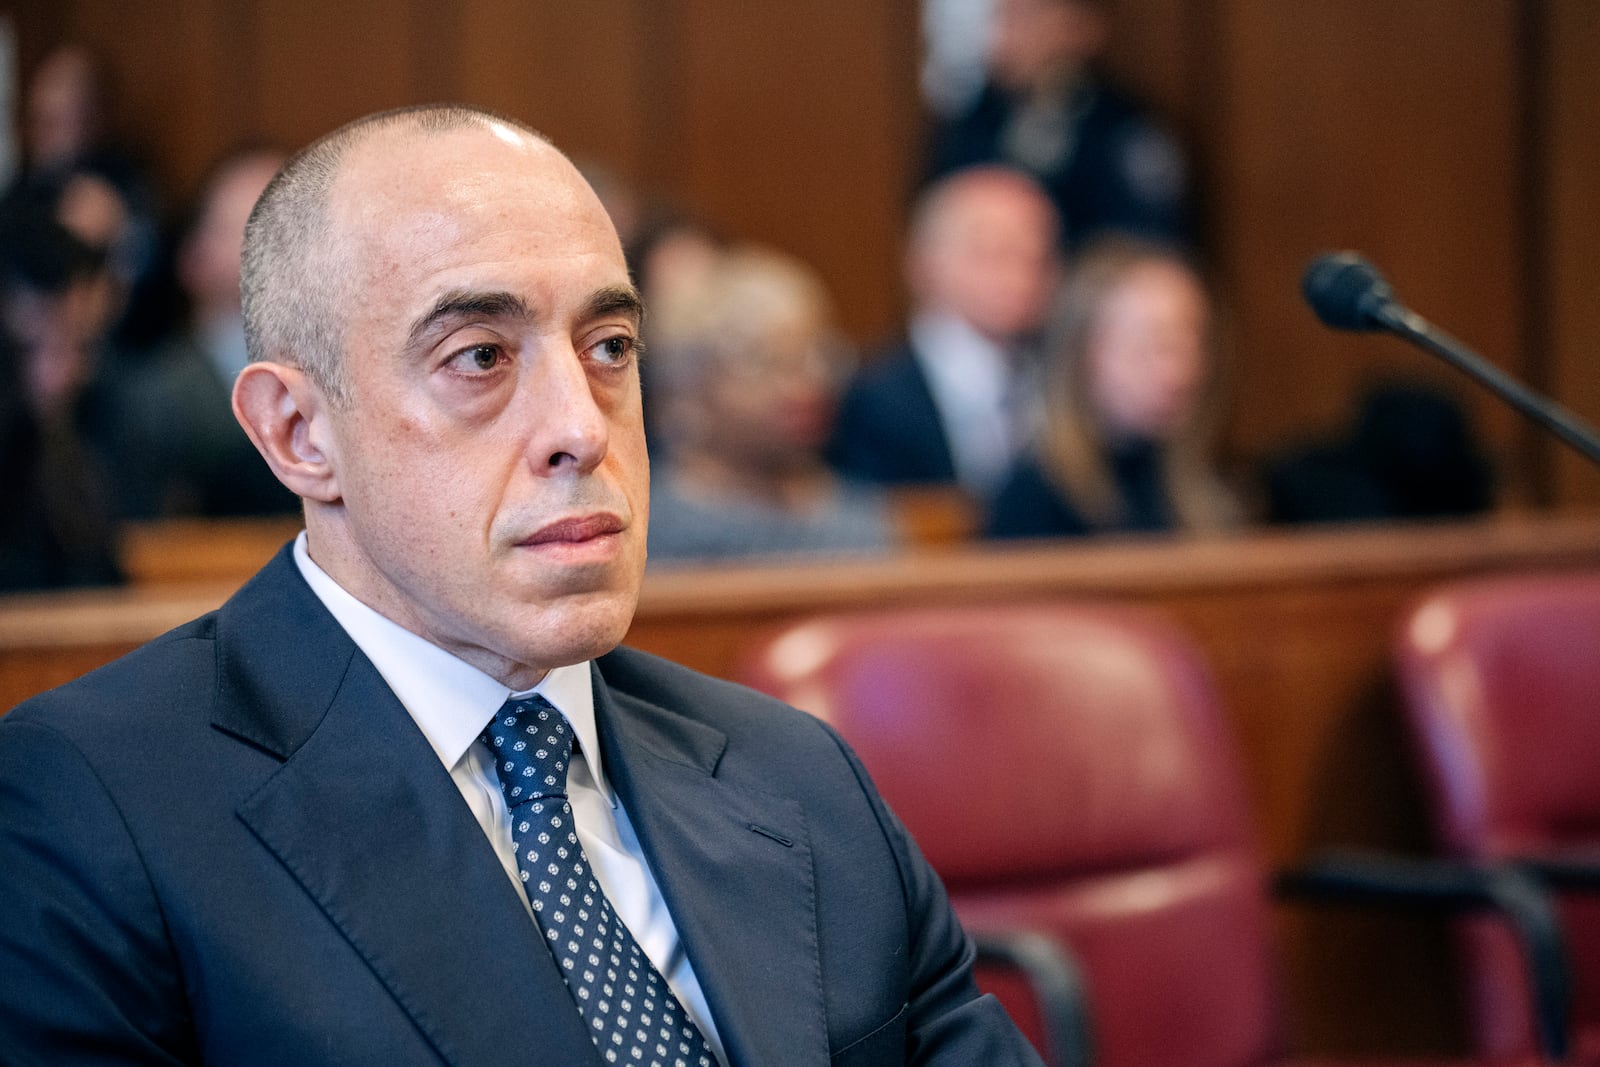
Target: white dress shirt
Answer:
pixel 452 702
pixel 972 382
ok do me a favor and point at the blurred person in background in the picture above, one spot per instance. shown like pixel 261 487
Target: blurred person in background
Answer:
pixel 103 191
pixel 951 405
pixel 1130 395
pixel 1046 109
pixel 667 250
pixel 670 254
pixel 183 452
pixel 1410 452
pixel 56 522
pixel 663 245
pixel 747 366
pixel 94 211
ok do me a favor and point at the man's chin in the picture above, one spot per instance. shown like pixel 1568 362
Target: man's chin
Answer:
pixel 574 628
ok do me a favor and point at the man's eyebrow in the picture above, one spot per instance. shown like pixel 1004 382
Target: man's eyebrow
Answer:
pixel 615 300
pixel 465 303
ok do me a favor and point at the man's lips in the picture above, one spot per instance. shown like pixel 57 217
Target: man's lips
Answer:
pixel 575 530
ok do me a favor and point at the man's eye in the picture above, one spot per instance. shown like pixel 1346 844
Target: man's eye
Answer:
pixel 615 349
pixel 478 358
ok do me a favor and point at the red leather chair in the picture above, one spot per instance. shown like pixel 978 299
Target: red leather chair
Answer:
pixel 1501 685
pixel 1066 769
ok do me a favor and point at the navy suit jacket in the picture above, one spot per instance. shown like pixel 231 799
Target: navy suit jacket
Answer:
pixel 234 846
pixel 889 429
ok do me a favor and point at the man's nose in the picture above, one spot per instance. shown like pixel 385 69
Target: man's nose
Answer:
pixel 569 430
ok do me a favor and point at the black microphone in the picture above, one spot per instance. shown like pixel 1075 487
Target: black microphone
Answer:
pixel 1347 292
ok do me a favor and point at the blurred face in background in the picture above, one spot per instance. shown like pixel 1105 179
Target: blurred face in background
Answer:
pixel 208 263
pixel 1148 353
pixel 51 310
pixel 95 213
pixel 55 334
pixel 1039 44
pixel 675 261
pixel 751 364
pixel 770 398
pixel 984 250
pixel 62 108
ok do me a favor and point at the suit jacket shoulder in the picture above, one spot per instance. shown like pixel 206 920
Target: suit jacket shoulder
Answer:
pixel 235 846
pixel 889 429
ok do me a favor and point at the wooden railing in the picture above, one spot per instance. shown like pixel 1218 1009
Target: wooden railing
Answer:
pixel 1296 624
pixel 201 550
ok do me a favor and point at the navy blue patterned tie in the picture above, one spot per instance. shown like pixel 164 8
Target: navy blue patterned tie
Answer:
pixel 632 1015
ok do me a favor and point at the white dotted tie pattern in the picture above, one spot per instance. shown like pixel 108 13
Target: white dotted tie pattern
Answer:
pixel 632 1014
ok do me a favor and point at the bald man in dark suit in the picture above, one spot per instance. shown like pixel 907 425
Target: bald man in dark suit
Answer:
pixel 402 799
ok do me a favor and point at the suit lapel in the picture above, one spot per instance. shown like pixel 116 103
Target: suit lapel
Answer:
pixel 735 868
pixel 922 410
pixel 366 819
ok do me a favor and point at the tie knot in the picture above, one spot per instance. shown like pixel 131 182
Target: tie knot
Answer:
pixel 532 746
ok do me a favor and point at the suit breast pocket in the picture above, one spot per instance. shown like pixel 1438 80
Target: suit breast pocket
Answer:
pixel 884 1045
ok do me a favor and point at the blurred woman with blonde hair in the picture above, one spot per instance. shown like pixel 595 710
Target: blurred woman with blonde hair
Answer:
pixel 1131 390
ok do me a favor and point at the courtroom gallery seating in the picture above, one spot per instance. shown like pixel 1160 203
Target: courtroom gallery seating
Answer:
pixel 1067 770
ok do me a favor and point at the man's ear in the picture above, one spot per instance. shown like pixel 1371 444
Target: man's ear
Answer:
pixel 288 419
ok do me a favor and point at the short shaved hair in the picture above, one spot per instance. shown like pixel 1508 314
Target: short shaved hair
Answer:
pixel 291 282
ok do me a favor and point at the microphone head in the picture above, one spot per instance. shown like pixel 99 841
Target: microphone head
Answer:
pixel 1346 291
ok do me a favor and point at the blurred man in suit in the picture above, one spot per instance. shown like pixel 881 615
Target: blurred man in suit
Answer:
pixel 1047 108
pixel 184 453
pixel 952 405
pixel 402 800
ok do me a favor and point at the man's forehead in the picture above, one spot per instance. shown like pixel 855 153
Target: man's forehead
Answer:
pixel 423 220
pixel 413 164
pixel 410 190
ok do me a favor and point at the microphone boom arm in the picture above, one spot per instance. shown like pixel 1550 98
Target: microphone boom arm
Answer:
pixel 1563 423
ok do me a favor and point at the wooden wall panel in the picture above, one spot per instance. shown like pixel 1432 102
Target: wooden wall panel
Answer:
pixel 573 71
pixel 1154 51
pixel 793 129
pixel 1572 226
pixel 320 64
pixel 1388 128
pixel 178 87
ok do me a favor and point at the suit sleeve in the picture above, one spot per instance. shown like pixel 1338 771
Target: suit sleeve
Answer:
pixel 90 977
pixel 948 1022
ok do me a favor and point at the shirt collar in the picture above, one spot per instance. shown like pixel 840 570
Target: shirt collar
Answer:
pixel 964 368
pixel 450 700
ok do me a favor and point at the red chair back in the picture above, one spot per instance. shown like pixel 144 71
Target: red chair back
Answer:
pixel 1065 768
pixel 1501 679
